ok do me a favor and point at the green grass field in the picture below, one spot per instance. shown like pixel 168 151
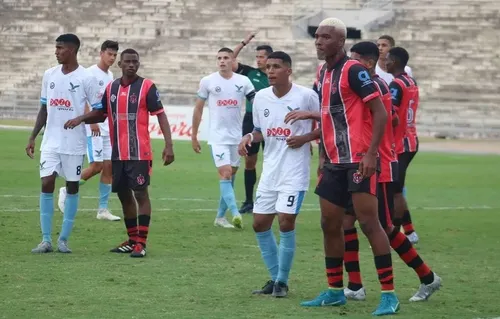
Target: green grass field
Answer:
pixel 194 270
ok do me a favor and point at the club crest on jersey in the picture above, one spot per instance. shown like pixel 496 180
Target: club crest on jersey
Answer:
pixel 266 112
pixel 113 98
pixel 218 89
pixel 73 87
pixel 238 88
pixel 101 83
pixel 52 85
pixel 357 177
pixel 133 98
pixel 141 180
pixel 157 96
pixel 334 88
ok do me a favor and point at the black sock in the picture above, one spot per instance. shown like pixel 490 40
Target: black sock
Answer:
pixel 250 179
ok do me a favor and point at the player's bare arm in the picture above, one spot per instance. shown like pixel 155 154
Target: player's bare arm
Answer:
pixel 368 164
pixel 197 114
pixel 94 116
pixel 239 47
pixel 168 151
pixel 41 120
pixel 247 140
pixel 299 140
pixel 294 116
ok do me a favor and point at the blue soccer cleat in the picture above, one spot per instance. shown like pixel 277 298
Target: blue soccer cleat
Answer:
pixel 329 297
pixel 389 304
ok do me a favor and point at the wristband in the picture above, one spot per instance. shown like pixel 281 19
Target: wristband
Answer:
pixel 251 137
pixel 243 42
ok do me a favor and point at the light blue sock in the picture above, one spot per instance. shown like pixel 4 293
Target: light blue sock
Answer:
pixel 70 208
pixel 104 190
pixel 287 251
pixel 46 213
pixel 222 204
pixel 227 192
pixel 404 192
pixel 269 251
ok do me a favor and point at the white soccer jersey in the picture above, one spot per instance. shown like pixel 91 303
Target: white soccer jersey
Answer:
pixel 103 78
pixel 284 168
pixel 226 98
pixel 387 77
pixel 65 96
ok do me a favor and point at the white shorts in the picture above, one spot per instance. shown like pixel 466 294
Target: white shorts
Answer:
pixel 67 166
pixel 98 148
pixel 225 155
pixel 272 202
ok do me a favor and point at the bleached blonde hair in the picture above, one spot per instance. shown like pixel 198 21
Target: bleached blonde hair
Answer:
pixel 338 24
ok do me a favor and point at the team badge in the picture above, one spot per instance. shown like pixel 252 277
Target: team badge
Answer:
pixel 133 99
pixel 52 85
pixel 113 98
pixel 218 89
pixel 101 83
pixel 357 177
pixel 141 180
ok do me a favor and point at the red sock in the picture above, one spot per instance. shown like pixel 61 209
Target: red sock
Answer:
pixel 351 259
pixel 409 255
pixel 384 271
pixel 407 223
pixel 334 272
pixel 131 225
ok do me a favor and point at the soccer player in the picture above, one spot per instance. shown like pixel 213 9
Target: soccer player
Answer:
pixel 127 103
pixel 98 141
pixel 286 170
pixel 353 120
pixel 225 91
pixel 385 43
pixel 66 89
pixel 405 97
pixel 367 53
pixel 259 79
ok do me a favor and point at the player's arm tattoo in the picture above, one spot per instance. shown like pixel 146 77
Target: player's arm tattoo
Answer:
pixel 379 118
pixel 165 128
pixel 41 120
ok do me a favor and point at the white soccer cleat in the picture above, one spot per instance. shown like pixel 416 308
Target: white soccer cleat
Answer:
pixel 413 238
pixel 358 295
pixel 222 222
pixel 62 199
pixel 105 214
pixel 425 291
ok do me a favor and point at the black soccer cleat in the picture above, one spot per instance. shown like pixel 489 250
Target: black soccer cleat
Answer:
pixel 124 248
pixel 246 207
pixel 139 251
pixel 266 290
pixel 280 290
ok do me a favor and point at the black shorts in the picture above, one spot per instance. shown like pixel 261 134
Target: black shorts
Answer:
pixel 404 160
pixel 338 181
pixel 248 128
pixel 134 175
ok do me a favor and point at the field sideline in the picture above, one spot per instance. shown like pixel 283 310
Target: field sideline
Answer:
pixel 194 270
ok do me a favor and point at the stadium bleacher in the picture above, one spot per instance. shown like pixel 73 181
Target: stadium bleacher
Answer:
pixel 452 43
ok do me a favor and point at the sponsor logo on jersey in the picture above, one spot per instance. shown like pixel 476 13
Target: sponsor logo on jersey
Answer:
pixel 61 104
pixel 228 102
pixel 279 133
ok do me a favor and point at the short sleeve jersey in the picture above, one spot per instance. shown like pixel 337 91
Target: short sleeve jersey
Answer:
pixel 65 96
pixel 103 79
pixel 284 168
pixel 225 101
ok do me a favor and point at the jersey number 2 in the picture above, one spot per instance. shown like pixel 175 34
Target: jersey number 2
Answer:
pixel 291 200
